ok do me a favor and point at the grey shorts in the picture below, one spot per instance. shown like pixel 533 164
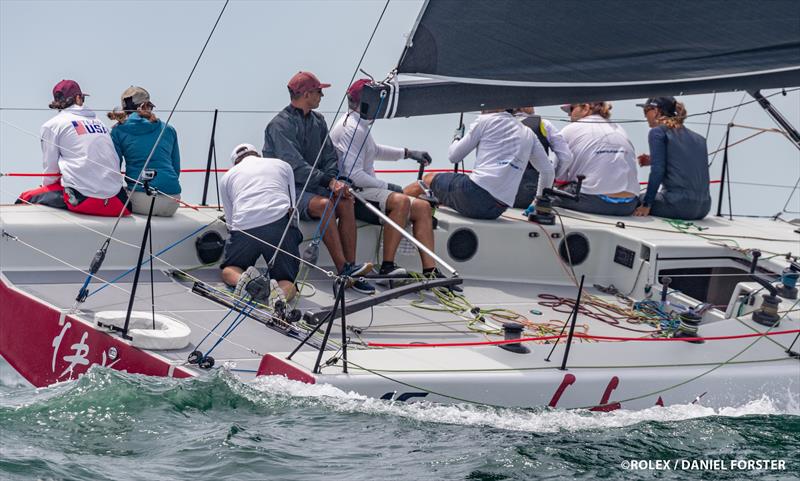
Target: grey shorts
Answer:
pixel 459 192
pixel 243 250
pixel 164 206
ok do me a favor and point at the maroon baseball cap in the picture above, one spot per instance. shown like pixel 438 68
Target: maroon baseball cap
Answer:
pixel 354 92
pixel 303 82
pixel 67 89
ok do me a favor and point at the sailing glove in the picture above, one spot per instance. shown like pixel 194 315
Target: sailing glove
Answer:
pixel 530 210
pixel 420 156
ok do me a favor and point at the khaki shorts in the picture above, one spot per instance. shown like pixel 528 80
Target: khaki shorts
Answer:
pixel 376 195
pixel 164 206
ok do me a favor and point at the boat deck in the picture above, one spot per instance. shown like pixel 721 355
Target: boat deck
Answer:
pixel 516 267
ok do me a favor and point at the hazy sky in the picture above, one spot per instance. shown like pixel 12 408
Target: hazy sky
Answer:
pixel 109 45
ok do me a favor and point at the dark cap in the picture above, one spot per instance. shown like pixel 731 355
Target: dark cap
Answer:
pixel 354 92
pixel 665 104
pixel 67 89
pixel 303 82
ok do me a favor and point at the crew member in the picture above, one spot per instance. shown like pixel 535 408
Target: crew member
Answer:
pixel 134 135
pixel 504 147
pixel 357 154
pixel 81 167
pixel 602 152
pixel 678 163
pixel 299 136
pixel 257 195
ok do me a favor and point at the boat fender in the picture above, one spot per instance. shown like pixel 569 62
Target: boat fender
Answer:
pixel 168 334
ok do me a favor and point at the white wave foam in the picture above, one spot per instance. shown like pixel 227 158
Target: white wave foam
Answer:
pixel 512 419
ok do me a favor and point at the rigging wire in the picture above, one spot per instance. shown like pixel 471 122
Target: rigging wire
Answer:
pixel 104 248
pixel 338 111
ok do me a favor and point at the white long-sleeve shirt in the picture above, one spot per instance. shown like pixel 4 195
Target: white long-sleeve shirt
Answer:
pixel 603 153
pixel 503 146
pixel 78 146
pixel 358 151
pixel 257 191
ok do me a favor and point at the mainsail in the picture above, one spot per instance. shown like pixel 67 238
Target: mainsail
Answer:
pixel 467 55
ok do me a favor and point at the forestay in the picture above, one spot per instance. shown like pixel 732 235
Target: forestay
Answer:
pixel 467 55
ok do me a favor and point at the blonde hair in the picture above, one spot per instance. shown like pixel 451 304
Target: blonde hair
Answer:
pixel 120 116
pixel 676 121
pixel 603 109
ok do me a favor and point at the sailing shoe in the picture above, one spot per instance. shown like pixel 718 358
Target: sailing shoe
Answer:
pixel 251 273
pixel 354 270
pixel 391 270
pixel 437 274
pixel 362 286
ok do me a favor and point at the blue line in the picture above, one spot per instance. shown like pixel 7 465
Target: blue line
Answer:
pixel 338 198
pixel 112 281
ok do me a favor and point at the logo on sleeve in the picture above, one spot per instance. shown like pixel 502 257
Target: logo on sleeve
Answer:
pixel 89 127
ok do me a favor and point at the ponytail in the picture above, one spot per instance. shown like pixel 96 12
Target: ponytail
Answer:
pixel 120 116
pixel 676 121
pixel 603 109
pixel 62 103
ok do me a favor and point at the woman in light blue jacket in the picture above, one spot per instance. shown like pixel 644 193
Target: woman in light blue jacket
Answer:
pixel 134 136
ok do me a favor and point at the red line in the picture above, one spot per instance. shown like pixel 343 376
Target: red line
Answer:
pixel 584 336
pixel 25 174
pixel 200 171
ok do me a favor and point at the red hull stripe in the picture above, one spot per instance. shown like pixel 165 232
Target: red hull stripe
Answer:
pixel 45 349
pixel 274 366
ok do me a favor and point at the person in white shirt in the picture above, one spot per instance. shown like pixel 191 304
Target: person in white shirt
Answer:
pixel 81 166
pixel 552 140
pixel 357 155
pixel 602 152
pixel 504 147
pixel 257 196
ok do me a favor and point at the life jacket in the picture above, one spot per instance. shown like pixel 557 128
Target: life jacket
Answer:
pixel 534 122
pixel 530 178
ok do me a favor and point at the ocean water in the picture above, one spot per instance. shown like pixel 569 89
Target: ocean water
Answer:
pixel 109 425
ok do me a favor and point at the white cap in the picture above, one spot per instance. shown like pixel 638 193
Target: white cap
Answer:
pixel 243 150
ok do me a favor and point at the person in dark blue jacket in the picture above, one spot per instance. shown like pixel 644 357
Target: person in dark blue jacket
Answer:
pixel 134 136
pixel 678 163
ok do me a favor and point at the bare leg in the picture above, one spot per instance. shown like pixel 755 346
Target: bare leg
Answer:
pixel 422 219
pixel 347 228
pixel 398 206
pixel 316 207
pixel 231 275
pixel 414 190
pixel 288 289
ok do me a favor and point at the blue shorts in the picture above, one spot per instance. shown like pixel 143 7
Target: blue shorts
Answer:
pixel 242 250
pixel 459 192
pixel 302 204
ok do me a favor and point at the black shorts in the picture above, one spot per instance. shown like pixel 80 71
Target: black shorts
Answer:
pixel 242 250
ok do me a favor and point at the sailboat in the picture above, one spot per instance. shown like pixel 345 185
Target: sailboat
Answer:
pixel 591 312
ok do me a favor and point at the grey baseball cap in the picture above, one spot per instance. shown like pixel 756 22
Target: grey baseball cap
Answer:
pixel 137 96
